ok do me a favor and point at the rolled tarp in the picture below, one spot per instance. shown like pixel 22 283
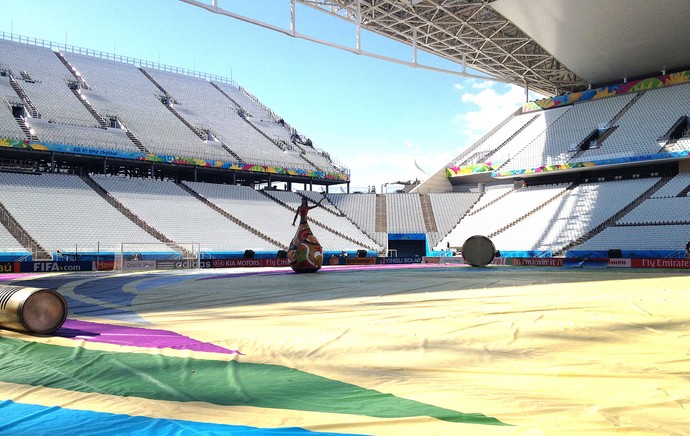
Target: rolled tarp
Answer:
pixel 31 310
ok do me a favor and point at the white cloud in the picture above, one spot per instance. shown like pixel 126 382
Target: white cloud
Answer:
pixel 484 109
pixel 482 84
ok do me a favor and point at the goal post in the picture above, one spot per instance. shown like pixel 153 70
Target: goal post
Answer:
pixel 157 255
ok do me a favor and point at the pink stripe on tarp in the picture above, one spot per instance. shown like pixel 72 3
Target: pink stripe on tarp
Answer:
pixel 135 337
pixel 9 277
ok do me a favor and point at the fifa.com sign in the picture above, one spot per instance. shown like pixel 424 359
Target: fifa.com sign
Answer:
pixel 46 266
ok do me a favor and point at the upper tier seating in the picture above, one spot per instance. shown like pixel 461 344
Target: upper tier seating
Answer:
pixel 205 106
pixel 61 212
pixel 557 144
pixel 8 125
pixel 45 83
pixel 82 136
pixel 524 138
pixel 497 138
pixel 121 90
pixel 643 124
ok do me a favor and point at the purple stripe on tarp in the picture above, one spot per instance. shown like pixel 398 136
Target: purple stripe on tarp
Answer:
pixel 135 337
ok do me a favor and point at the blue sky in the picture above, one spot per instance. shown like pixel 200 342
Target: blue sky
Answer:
pixel 375 117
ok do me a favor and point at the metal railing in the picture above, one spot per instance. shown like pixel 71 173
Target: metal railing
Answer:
pixel 113 57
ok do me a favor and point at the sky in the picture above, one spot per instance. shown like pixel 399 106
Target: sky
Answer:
pixel 376 118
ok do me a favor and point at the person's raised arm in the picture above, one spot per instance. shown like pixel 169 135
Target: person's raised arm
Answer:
pixel 317 204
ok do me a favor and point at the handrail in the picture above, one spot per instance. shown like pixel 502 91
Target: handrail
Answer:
pixel 56 46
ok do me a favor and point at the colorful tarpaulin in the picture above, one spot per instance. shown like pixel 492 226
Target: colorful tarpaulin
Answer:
pixel 415 350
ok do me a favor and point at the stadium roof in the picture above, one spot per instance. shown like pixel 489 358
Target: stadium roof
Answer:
pixel 553 46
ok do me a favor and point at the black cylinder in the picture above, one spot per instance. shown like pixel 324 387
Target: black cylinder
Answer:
pixel 478 250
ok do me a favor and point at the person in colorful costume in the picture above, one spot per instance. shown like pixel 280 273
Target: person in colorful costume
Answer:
pixel 305 254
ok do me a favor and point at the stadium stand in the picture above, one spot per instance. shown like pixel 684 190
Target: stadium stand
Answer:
pixel 123 91
pixel 75 99
pixel 10 248
pixel 564 137
pixel 361 210
pixel 640 128
pixel 189 221
pixel 318 196
pixel 44 79
pixel 82 136
pixel 671 210
pixel 449 208
pixel 404 214
pixel 62 213
pixel 638 241
pixel 493 141
pixel 506 153
pixel 8 123
pixel 210 111
pixel 340 231
pixel 677 186
pixel 551 227
pixel 251 208
pixel 491 218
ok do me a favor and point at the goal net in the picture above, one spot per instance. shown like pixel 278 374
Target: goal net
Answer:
pixel 157 255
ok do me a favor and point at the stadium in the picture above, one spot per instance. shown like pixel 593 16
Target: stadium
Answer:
pixel 158 202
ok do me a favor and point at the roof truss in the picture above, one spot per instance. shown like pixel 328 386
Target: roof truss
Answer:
pixel 468 32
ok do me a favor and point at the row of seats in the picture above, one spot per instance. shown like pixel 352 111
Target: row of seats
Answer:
pixel 551 138
pixel 62 212
pixel 659 210
pixel 81 136
pixel 674 186
pixel 494 216
pixel 328 219
pixel 645 237
pixel 47 88
pixel 8 124
pixel 644 123
pixel 204 106
pixel 180 216
pixel 581 209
